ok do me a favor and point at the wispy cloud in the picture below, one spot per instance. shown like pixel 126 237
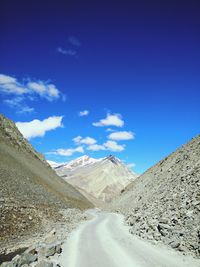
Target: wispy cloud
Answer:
pixel 45 90
pixel 19 104
pixel 110 120
pixel 10 85
pixel 72 47
pixel 67 52
pixel 122 135
pixel 74 41
pixel 37 128
pixel 27 89
pixel 85 141
pixel 83 113
pixel 67 152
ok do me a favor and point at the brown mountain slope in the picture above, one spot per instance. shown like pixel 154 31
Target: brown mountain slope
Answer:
pixel 163 204
pixel 30 193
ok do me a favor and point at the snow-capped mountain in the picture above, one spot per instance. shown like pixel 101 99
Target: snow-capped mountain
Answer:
pixel 67 168
pixel 81 161
pixel 100 178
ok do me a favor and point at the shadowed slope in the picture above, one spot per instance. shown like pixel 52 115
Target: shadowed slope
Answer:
pixel 30 191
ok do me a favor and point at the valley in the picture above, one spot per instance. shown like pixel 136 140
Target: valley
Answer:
pixel 147 220
pixel 100 133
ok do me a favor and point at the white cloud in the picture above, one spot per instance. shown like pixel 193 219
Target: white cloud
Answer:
pixel 113 146
pixel 86 141
pixel 5 79
pixel 110 130
pixel 96 147
pixel 77 139
pixel 108 145
pixel 110 120
pixel 131 165
pixel 66 52
pixel 10 85
pixel 37 128
pixel 27 89
pixel 68 152
pixel 122 135
pixel 83 113
pixel 48 91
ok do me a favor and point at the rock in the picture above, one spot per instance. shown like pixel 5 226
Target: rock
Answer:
pixel 50 239
pixel 58 249
pixel 175 244
pixel 46 250
pixel 164 220
pixel 25 258
pixel 181 248
pixel 50 250
pixel 163 227
pixel 53 231
pixel 44 263
pixel 32 250
pixel 8 264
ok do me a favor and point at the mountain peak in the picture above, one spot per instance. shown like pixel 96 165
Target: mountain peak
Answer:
pixel 78 162
pixel 113 159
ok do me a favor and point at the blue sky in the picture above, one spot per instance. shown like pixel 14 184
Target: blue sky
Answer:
pixel 133 66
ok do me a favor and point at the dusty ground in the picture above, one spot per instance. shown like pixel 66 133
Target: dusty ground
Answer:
pixel 63 224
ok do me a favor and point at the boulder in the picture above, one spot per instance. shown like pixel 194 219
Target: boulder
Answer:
pixel 44 263
pixel 8 264
pixel 25 258
pixel 58 249
pixel 175 244
pixel 47 250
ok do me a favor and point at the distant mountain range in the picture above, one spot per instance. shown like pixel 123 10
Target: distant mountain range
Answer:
pixel 78 162
pixel 98 179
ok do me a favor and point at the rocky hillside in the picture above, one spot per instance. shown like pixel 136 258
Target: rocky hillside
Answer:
pixel 99 179
pixel 31 194
pixel 163 204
